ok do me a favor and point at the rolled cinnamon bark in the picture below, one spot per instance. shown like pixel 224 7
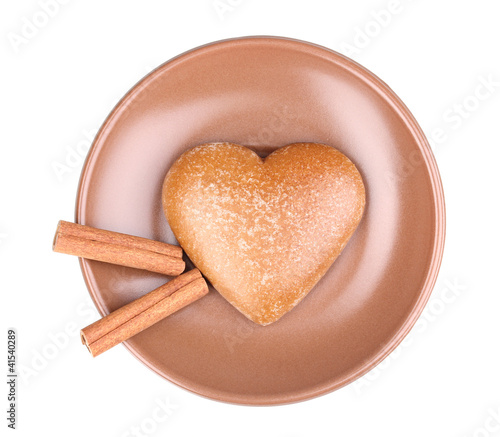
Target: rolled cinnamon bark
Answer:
pixel 140 314
pixel 117 248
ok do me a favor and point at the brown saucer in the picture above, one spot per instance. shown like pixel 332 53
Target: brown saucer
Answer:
pixel 268 92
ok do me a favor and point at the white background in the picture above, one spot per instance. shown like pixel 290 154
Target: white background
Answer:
pixel 59 80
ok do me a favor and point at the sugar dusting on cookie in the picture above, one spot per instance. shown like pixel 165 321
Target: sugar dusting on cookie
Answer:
pixel 263 231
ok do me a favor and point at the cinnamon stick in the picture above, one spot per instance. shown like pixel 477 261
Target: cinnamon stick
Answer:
pixel 140 314
pixel 117 248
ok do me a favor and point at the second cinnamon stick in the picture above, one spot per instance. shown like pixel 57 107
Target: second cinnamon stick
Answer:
pixel 140 314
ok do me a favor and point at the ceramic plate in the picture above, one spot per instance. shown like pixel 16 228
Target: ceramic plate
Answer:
pixel 267 92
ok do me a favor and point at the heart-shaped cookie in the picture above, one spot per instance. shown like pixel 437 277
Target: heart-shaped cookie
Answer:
pixel 263 231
